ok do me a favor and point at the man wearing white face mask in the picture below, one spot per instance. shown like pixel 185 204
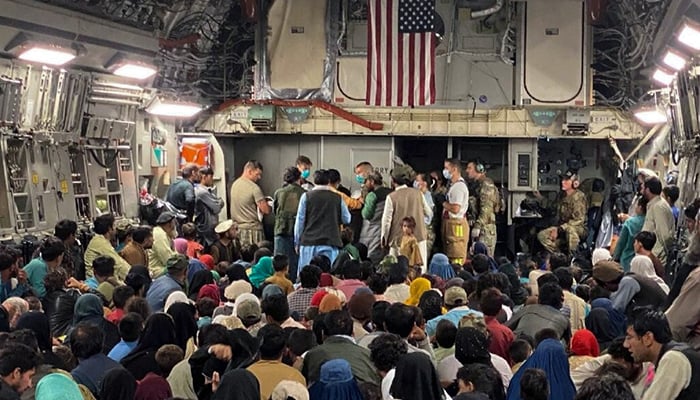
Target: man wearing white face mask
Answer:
pixel 455 229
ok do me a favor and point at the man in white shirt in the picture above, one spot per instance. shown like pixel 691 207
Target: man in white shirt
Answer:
pixel 455 229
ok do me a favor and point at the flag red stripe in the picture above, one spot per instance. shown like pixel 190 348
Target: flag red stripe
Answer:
pixel 400 66
pixel 378 46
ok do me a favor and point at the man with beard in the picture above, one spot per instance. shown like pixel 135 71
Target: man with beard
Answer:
pixel 227 247
pixel 101 245
pixel 181 193
pixel 162 248
pixel 207 207
pixel 136 251
pixel 18 364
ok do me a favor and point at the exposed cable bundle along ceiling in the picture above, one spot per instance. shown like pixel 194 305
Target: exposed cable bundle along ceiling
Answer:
pixel 623 47
pixel 207 46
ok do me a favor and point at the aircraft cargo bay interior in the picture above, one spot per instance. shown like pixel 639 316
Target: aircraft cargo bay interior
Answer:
pixel 349 199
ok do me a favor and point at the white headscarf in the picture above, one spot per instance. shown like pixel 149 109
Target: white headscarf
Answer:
pixel 600 254
pixel 176 297
pixel 643 266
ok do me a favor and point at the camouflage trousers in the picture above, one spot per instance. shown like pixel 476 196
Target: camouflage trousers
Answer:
pixel 488 237
pixel 250 236
pixel 553 246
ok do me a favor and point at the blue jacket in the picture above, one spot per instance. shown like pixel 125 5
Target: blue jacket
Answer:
pixel 160 290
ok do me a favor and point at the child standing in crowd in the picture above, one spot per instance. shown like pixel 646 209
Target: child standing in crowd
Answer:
pixel 409 243
pixel 194 248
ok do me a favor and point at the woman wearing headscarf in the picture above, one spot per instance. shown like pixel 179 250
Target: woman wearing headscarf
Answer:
pixel 174 298
pixel 643 266
pixel 153 387
pixel 518 293
pixel 211 291
pixel 185 326
pixel 194 266
pixel 38 323
pixel 415 378
pixel 57 386
pixel 584 347
pixel 159 331
pixel 237 272
pixel 118 384
pixel 600 254
pixel 336 382
pixel 139 279
pixel 480 248
pixel 208 261
pixel 416 290
pixel 88 309
pixel 472 347
pixel 238 384
pixel 605 322
pixel 199 279
pixel 431 304
pixel 551 358
pixel 180 245
pixel 261 271
pixel 440 266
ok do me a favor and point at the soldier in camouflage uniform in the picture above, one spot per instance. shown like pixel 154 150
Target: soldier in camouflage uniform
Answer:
pixel 485 203
pixel 572 217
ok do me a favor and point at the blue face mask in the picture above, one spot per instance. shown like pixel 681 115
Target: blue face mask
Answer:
pixel 305 173
pixel 416 184
pixel 446 173
pixel 360 179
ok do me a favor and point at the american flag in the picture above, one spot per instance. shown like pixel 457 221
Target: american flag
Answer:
pixel 401 53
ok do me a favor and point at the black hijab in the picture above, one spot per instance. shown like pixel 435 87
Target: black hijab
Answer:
pixel 185 324
pixel 416 378
pixel 237 272
pixel 238 384
pixel 472 347
pixel 138 277
pixel 38 323
pixel 244 348
pixel 199 279
pixel 159 331
pixel 118 384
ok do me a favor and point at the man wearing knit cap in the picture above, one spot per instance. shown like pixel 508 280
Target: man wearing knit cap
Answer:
pixel 404 201
pixel 630 290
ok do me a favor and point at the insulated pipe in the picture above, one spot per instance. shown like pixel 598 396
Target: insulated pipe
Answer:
pixel 489 11
pixel 344 114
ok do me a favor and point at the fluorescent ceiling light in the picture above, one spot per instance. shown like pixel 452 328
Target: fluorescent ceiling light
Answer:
pixel 663 77
pixel 651 116
pixel 166 108
pixel 135 71
pixel 47 55
pixel 674 60
pixel 689 36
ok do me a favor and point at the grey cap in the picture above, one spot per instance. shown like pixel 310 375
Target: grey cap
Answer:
pixel 165 217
